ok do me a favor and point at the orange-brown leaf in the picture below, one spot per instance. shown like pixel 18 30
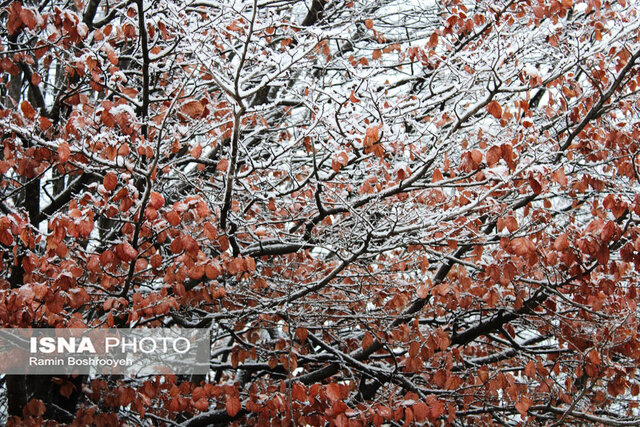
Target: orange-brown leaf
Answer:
pixel 494 155
pixel 594 357
pixel 107 118
pixel 535 185
pixel 530 369
pixel 476 156
pixel 561 243
pixel 201 404
pixel 64 152
pixel 45 123
pixel 301 334
pixel 7 65
pixel 433 40
pixel 174 218
pixel 367 340
pixel 371 135
pixel 34 408
pixel 494 109
pixel 420 411
pixel 156 201
pixel 522 246
pixel 196 151
pixel 14 20
pixel 334 392
pixel 233 406
pixel 66 389
pixel 523 405
pixel 299 392
pixel 27 110
pixel 112 57
pixel 559 176
pixel 28 18
pixel 222 166
pixel 193 109
pixel 110 181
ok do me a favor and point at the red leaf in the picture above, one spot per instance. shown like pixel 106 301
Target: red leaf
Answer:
pixel 368 23
pixel 192 109
pixel 93 264
pixel 371 136
pixel 222 166
pixel 106 257
pixel 7 65
pixel 510 223
pixel 28 18
pixel 342 158
pixel 539 12
pixel 14 20
pixel 367 340
pixel 45 123
pixel 334 392
pixel 423 291
pixel 110 181
pixel 353 98
pixel 530 369
pixel 112 57
pixel 535 185
pixel 28 110
pixel 414 348
pixel 523 405
pixel 420 411
pixel 507 152
pixel 63 152
pixel 66 389
pixel 129 250
pixel 301 334
pixel 174 218
pixel 523 246
pixel 201 404
pixel 126 252
pixel 561 243
pixel 299 392
pixel 559 176
pixel 210 231
pixel 494 109
pixel 233 406
pixel 41 49
pixel 196 151
pixel 34 408
pixel 211 272
pixel 436 407
pixel 476 156
pixel 223 241
pixel 433 40
pixel 107 118
pixel 156 201
pixel 494 155
pixel 127 395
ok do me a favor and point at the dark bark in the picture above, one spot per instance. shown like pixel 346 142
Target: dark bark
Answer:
pixel 315 13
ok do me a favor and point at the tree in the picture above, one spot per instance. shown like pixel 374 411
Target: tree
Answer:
pixel 385 212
